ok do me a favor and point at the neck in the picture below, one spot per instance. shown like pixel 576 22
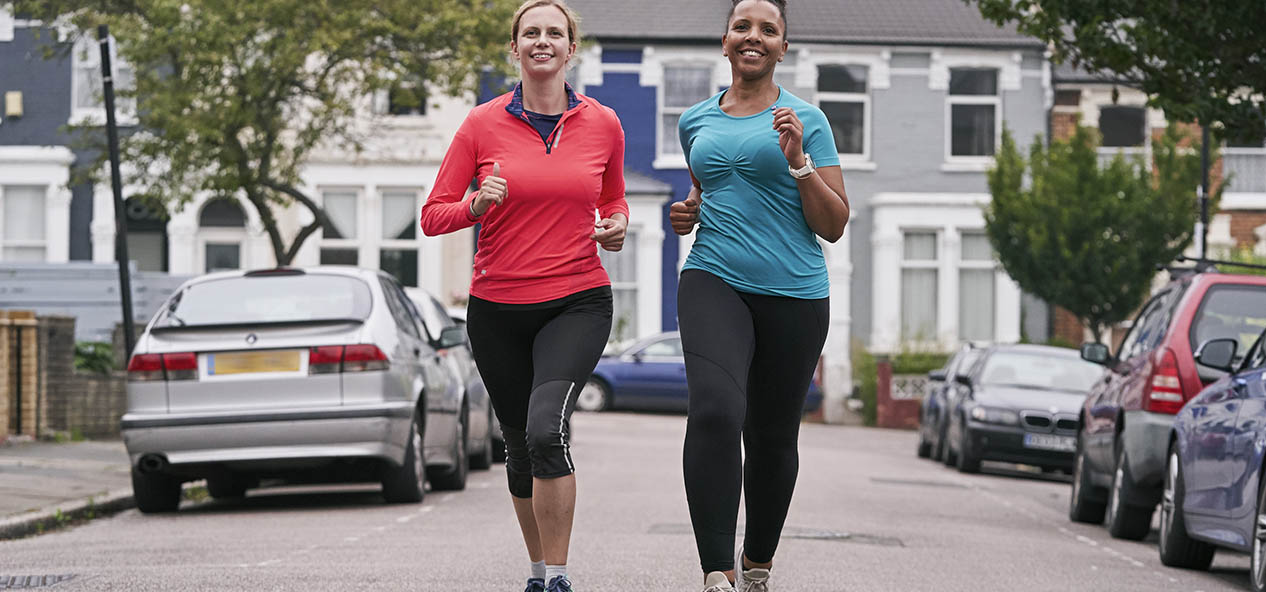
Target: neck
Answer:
pixel 760 90
pixel 547 96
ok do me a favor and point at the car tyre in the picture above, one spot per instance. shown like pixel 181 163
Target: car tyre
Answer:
pixel 1084 503
pixel 967 461
pixel 948 456
pixel 406 484
pixel 1177 549
pixel 155 493
pixel 1257 570
pixel 453 478
pixel 483 460
pixel 925 448
pixel 1126 521
pixel 595 396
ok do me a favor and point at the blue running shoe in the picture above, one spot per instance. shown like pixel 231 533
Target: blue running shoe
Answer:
pixel 559 584
pixel 535 585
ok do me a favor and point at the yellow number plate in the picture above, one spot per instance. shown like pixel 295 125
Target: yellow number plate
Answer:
pixel 250 362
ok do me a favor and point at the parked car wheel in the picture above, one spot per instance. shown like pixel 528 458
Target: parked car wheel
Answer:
pixel 1176 548
pixel 1083 503
pixel 483 460
pixel 227 486
pixel 407 483
pixel 595 396
pixel 967 461
pixel 925 447
pixel 1124 520
pixel 155 493
pixel 947 452
pixel 454 478
pixel 1258 563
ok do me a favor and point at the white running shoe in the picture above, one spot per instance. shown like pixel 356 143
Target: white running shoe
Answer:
pixel 716 581
pixel 749 580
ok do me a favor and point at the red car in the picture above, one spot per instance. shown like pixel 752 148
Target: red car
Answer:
pixel 1123 439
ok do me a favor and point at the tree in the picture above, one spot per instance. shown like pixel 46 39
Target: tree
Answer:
pixel 1196 60
pixel 1085 237
pixel 234 96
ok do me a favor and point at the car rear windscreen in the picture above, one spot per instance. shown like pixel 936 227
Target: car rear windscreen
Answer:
pixel 1230 312
pixel 1036 370
pixel 268 299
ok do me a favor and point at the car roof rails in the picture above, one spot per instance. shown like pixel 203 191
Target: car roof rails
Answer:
pixel 1204 265
pixel 273 272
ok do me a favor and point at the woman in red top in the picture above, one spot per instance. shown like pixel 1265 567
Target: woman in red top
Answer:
pixel 540 302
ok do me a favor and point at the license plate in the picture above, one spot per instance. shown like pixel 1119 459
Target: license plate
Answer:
pixel 253 362
pixel 1050 442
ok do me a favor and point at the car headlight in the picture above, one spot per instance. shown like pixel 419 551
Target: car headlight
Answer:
pixel 998 416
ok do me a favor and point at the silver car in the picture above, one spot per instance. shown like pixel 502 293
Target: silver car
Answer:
pixel 307 375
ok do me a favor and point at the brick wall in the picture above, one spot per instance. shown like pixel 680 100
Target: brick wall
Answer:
pixel 19 373
pixel 74 401
pixel 1242 225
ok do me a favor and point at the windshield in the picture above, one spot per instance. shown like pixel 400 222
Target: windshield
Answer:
pixel 268 299
pixel 1230 312
pixel 1036 370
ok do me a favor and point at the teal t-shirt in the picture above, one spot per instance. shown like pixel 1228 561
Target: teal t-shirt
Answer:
pixel 752 233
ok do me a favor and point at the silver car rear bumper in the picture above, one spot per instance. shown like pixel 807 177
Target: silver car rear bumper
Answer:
pixel 362 431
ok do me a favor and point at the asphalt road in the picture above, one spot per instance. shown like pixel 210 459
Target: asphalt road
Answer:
pixel 868 516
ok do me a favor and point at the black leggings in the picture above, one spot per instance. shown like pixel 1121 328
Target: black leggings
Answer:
pixel 534 359
pixel 749 362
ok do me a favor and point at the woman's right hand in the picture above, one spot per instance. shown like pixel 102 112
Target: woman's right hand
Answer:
pixel 683 215
pixel 491 192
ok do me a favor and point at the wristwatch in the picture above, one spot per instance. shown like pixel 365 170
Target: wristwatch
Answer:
pixel 805 171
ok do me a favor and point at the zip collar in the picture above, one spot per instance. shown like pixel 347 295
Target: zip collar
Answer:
pixel 515 106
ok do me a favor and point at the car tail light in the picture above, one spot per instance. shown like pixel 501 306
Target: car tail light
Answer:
pixel 1164 393
pixel 325 359
pixel 145 367
pixel 181 366
pixel 174 366
pixel 363 357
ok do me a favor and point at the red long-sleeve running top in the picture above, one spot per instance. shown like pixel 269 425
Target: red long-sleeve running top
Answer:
pixel 535 246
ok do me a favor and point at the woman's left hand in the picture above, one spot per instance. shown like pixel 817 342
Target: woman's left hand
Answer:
pixel 609 232
pixel 790 135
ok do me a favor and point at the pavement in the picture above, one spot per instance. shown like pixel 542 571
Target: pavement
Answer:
pixel 45 484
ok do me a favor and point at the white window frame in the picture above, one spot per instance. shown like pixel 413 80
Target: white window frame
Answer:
pixel 44 231
pixel 863 98
pixel 631 286
pixel 972 163
pixel 976 264
pixel 932 264
pixel 360 240
pixel 86 54
pixel 673 160
pixel 7 23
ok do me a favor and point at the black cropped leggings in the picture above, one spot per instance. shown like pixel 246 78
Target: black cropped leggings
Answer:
pixel 749 362
pixel 534 359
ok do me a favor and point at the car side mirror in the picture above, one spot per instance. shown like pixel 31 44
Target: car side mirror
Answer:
pixel 452 337
pixel 963 379
pixel 1095 352
pixel 637 357
pixel 937 376
pixel 1217 353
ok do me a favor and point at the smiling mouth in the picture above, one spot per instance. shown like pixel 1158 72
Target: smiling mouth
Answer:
pixel 751 53
pixel 540 57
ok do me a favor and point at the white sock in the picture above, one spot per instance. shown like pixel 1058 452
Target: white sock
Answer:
pixel 553 571
pixel 538 569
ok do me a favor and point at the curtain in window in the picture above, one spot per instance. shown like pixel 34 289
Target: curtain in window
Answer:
pixel 399 215
pixel 918 304
pixel 622 269
pixel 24 212
pixel 340 207
pixel 976 304
pixel 973 130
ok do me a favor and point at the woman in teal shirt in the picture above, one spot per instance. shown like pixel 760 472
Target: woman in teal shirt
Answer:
pixel 752 301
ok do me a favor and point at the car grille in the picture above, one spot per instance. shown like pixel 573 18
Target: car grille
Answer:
pixel 1043 422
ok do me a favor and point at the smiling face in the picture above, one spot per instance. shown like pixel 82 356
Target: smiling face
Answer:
pixel 755 39
pixel 543 45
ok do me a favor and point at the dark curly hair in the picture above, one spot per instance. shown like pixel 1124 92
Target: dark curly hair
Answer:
pixel 780 4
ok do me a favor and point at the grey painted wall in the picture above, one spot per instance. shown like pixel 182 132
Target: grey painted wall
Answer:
pixel 908 148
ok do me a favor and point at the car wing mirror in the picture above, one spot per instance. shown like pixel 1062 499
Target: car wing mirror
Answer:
pixel 1095 352
pixel 937 375
pixel 637 357
pixel 1218 354
pixel 963 379
pixel 452 337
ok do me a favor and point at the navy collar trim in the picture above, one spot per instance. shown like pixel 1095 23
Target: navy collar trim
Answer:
pixel 515 106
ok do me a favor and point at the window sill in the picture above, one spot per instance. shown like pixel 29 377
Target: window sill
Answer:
pixel 967 166
pixel 672 161
pixel 97 117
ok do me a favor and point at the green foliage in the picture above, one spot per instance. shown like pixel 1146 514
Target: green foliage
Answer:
pixel 1242 255
pixel 1196 60
pixel 1085 237
pixel 866 375
pixel 94 356
pixel 233 97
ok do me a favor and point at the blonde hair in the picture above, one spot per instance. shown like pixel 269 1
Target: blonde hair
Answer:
pixel 573 20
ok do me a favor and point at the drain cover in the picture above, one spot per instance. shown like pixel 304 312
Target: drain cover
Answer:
pixel 25 582
pixel 793 532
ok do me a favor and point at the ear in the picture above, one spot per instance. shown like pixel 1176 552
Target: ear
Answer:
pixel 571 50
pixel 514 48
pixel 723 38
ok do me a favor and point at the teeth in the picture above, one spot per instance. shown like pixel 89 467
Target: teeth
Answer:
pixel 751 53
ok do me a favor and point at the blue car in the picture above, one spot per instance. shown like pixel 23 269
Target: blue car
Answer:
pixel 650 374
pixel 1213 495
